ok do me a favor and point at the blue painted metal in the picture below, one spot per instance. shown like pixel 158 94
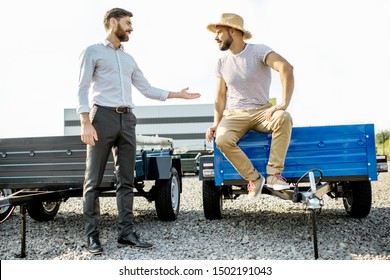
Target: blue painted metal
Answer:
pixel 344 151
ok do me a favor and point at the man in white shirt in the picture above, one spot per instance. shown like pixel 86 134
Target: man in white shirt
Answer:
pixel 110 124
pixel 242 102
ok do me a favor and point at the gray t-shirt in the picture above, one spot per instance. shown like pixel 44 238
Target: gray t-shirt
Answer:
pixel 247 77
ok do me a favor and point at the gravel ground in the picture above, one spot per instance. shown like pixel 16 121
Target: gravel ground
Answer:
pixel 271 229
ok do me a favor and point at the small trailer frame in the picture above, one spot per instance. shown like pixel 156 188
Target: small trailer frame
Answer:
pixel 40 173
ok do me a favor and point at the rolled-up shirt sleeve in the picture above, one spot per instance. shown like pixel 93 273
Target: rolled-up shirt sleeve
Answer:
pixel 87 67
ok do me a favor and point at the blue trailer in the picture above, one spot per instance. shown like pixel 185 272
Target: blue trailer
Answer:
pixel 339 161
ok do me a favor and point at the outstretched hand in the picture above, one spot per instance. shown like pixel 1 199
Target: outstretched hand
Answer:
pixel 184 94
pixel 189 95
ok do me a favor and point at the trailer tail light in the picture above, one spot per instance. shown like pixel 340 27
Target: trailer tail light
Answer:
pixel 208 170
pixel 381 163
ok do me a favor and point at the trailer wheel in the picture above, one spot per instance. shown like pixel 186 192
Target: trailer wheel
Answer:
pixel 212 201
pixel 43 211
pixel 357 202
pixel 5 211
pixel 168 197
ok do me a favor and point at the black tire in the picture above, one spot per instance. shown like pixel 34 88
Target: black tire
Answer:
pixel 5 211
pixel 358 200
pixel 212 201
pixel 168 197
pixel 43 211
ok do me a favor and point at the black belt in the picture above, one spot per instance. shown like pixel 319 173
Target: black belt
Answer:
pixel 119 110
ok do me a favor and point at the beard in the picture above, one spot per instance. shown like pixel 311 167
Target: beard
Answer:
pixel 121 34
pixel 226 44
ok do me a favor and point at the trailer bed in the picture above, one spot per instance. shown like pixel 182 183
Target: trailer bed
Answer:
pixel 342 152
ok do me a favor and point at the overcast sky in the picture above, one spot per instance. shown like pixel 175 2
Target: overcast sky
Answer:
pixel 339 50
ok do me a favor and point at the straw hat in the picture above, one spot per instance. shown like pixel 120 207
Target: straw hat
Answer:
pixel 231 20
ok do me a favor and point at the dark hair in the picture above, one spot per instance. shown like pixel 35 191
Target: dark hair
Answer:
pixel 116 13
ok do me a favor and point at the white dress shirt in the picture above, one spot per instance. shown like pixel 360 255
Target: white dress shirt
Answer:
pixel 110 74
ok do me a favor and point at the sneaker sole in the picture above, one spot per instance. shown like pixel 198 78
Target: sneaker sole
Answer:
pixel 279 187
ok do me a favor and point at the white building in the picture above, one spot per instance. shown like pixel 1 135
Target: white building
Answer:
pixel 185 124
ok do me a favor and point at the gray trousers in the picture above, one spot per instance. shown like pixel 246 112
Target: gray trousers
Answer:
pixel 116 134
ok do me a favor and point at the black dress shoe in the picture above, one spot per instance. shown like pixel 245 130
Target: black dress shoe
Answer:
pixel 94 246
pixel 132 239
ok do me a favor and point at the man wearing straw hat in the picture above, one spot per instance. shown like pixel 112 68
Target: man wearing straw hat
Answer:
pixel 242 102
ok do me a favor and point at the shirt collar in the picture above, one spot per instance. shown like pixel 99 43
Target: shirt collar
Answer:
pixel 109 44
